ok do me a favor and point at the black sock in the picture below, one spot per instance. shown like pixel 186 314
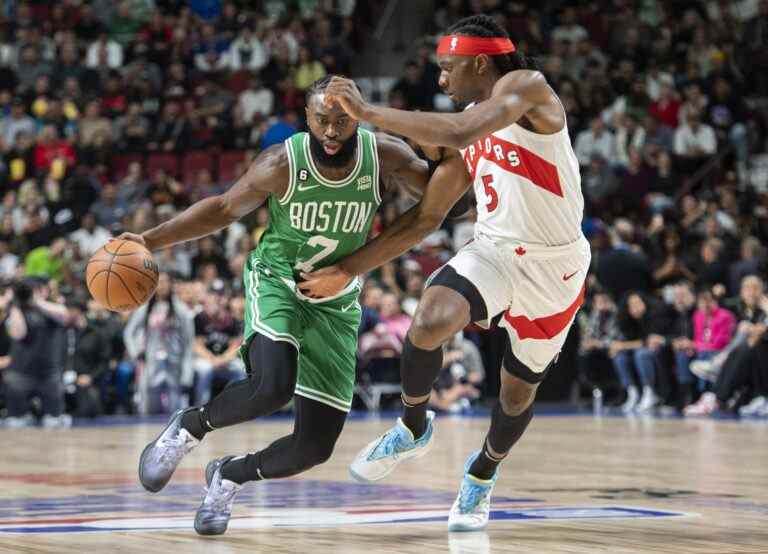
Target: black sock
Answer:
pixel 415 417
pixel 505 431
pixel 238 471
pixel 418 370
pixel 484 466
pixel 195 421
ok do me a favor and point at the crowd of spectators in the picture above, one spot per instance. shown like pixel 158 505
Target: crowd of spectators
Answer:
pixel 105 108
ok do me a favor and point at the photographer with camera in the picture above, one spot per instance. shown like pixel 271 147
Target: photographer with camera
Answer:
pixel 35 326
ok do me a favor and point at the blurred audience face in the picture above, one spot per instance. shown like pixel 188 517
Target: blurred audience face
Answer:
pixel 602 302
pixel 751 290
pixel 164 285
pixel 682 297
pixel 636 306
pixel 372 297
pixel 390 305
pixel 706 301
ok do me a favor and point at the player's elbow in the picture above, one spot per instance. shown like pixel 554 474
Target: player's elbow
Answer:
pixel 228 208
pixel 456 137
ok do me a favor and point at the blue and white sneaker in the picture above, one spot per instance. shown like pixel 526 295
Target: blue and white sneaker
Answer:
pixel 472 508
pixel 162 456
pixel 379 458
pixel 213 514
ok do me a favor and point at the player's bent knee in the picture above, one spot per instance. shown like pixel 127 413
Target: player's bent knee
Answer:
pixel 516 398
pixel 431 327
pixel 315 453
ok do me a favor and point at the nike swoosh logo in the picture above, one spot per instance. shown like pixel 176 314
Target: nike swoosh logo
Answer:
pixel 303 188
pixel 566 277
pixel 347 308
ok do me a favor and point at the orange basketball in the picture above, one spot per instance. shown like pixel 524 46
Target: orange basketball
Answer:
pixel 121 275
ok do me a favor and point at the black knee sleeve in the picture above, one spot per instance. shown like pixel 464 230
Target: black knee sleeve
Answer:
pixel 316 429
pixel 516 368
pixel 272 369
pixel 449 278
pixel 419 368
pixel 506 430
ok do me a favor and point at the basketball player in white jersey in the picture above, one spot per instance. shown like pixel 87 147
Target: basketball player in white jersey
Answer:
pixel 525 268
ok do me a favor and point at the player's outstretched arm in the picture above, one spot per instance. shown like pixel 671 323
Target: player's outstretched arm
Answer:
pixel 447 184
pixel 513 96
pixel 268 174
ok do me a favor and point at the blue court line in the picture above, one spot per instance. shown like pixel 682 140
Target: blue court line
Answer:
pixel 541 410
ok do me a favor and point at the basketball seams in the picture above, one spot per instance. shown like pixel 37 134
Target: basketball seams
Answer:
pixel 140 272
pixel 106 285
pixel 127 288
pixel 109 258
pixel 96 275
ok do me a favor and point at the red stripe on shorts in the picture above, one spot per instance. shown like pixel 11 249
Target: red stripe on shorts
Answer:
pixel 547 327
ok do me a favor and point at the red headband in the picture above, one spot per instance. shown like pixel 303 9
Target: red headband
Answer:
pixel 458 45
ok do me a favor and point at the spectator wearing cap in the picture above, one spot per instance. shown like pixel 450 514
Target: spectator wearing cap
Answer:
pixel 217 344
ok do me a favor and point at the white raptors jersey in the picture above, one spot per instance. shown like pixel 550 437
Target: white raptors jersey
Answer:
pixel 527 185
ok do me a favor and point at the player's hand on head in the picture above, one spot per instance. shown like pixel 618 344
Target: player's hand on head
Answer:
pixel 344 92
pixel 324 282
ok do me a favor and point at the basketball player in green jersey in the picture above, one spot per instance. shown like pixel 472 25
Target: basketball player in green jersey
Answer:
pixel 322 189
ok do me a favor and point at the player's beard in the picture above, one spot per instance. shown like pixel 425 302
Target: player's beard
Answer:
pixel 340 158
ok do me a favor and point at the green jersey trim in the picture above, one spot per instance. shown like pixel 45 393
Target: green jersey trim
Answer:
pixel 292 171
pixel 323 398
pixel 376 185
pixel 260 327
pixel 327 182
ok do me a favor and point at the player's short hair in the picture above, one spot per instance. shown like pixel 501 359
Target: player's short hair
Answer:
pixel 319 86
pixel 485 26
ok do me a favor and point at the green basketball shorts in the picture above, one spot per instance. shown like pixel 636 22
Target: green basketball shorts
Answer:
pixel 325 333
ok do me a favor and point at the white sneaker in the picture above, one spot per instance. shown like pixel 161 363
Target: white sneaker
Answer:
pixel 380 457
pixel 706 405
pixel 21 422
pixel 705 369
pixel 631 402
pixel 472 507
pixel 648 401
pixel 754 407
pixel 64 421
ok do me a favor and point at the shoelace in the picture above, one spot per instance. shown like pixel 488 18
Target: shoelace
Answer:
pixel 174 448
pixel 224 502
pixel 471 496
pixel 388 446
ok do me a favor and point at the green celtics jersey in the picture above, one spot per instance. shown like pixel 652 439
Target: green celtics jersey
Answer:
pixel 318 221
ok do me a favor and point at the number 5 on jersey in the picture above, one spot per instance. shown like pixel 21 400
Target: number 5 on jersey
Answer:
pixel 490 193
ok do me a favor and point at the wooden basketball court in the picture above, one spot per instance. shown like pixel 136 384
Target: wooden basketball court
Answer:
pixel 574 484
